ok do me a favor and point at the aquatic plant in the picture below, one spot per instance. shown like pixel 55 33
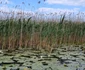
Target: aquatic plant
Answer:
pixel 17 31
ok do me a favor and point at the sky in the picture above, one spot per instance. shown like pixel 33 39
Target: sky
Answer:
pixel 43 6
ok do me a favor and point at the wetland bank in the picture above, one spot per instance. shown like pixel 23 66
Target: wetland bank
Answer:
pixel 27 44
pixel 37 41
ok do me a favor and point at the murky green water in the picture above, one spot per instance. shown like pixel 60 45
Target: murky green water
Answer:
pixel 61 59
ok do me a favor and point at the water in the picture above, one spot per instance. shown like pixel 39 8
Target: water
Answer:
pixel 35 60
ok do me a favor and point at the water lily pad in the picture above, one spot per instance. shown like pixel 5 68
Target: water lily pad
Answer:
pixel 44 63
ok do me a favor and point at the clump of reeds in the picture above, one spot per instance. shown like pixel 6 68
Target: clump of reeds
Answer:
pixel 39 34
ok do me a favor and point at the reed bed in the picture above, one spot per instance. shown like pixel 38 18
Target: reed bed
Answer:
pixel 25 33
pixel 23 30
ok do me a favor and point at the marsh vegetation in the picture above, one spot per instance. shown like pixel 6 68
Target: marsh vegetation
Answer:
pixel 41 41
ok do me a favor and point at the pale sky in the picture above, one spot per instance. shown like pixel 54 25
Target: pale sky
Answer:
pixel 43 6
